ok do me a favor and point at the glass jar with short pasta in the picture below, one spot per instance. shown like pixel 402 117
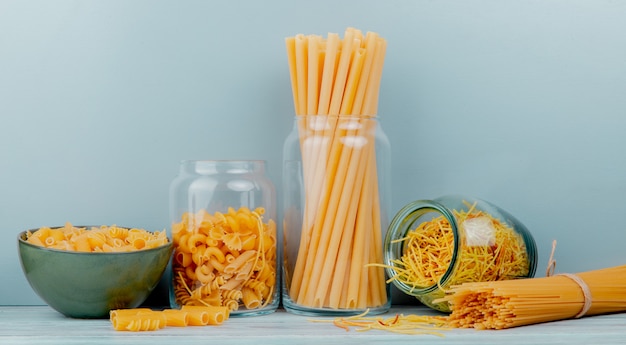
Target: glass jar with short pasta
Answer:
pixel 434 244
pixel 224 232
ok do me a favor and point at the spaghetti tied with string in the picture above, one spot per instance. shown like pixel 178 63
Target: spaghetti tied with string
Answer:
pixel 512 303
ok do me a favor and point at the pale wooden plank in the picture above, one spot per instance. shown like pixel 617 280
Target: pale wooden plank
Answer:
pixel 42 325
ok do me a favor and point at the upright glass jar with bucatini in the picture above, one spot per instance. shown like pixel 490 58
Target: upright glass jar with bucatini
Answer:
pixel 336 199
pixel 224 233
pixel 434 244
pixel 336 177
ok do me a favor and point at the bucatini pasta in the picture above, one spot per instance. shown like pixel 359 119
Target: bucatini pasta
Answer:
pixel 341 226
pixel 224 259
pixel 145 319
pixel 96 239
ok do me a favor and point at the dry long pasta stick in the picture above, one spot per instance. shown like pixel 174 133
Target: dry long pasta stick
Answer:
pixel 377 274
pixel 370 184
pixel 290 42
pixel 301 58
pixel 348 73
pixel 358 283
pixel 329 235
pixel 348 46
pixel 347 233
pixel 313 69
pixel 356 196
pixel 348 206
pixel 314 171
pixel 333 44
pixel 302 133
pixel 347 103
pixel 335 71
pixel 370 101
pixel 330 176
pixel 341 158
pixel 370 54
pixel 377 46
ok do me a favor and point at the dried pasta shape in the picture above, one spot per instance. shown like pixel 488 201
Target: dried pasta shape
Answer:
pixel 232 240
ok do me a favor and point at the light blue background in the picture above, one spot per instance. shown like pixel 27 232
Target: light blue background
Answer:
pixel 522 103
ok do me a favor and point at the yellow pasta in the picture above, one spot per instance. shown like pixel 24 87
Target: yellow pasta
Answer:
pixel 505 304
pixel 137 320
pixel 216 255
pixel 176 317
pixel 145 319
pixel 399 323
pixel 250 298
pixel 429 249
pixel 239 262
pixel 96 239
pixel 81 243
pixel 341 225
pixel 215 314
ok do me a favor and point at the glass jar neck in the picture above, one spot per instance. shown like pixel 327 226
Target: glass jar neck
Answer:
pixel 405 221
pixel 212 167
pixel 340 116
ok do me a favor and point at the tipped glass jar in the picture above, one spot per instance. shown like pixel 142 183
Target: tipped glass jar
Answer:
pixel 434 244
pixel 336 209
pixel 224 233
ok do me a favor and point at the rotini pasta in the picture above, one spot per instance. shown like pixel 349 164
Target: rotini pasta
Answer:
pixel 96 239
pixel 217 255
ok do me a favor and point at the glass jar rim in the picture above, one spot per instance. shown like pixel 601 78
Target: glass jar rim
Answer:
pixel 223 161
pixel 209 166
pixel 348 116
pixel 400 225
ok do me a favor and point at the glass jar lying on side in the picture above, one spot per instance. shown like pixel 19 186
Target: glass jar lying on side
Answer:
pixel 434 244
pixel 224 232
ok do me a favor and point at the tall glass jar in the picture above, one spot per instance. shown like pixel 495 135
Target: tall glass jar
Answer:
pixel 434 244
pixel 223 217
pixel 336 184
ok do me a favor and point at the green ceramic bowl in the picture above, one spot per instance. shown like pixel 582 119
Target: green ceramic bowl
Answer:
pixel 89 285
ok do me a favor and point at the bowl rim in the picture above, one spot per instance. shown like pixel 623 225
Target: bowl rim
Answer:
pixel 22 234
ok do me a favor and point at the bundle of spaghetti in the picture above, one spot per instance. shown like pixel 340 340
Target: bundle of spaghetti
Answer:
pixel 512 303
pixel 335 84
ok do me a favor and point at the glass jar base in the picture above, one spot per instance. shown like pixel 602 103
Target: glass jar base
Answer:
pixel 297 309
pixel 247 313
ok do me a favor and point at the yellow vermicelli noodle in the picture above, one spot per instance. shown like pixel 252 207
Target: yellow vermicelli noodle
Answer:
pixel 429 249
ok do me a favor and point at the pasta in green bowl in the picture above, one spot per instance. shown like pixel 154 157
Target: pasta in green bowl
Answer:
pixel 84 272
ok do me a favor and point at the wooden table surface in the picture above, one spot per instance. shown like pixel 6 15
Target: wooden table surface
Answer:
pixel 43 325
